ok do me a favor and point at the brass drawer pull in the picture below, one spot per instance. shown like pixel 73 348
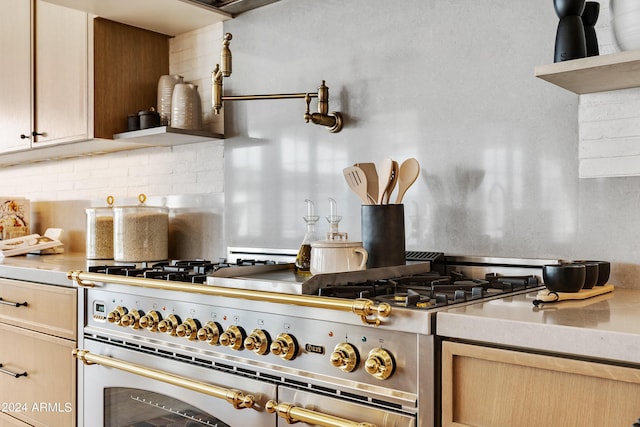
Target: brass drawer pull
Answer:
pixel 369 312
pixel 294 414
pixel 238 399
pixel 13 374
pixel 13 304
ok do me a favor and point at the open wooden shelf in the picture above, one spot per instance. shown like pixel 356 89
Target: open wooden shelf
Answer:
pixel 594 74
pixel 165 136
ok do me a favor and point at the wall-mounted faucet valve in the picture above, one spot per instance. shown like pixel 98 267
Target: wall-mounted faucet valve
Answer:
pixel 331 120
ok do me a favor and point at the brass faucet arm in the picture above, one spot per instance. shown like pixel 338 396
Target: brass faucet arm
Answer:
pixel 270 96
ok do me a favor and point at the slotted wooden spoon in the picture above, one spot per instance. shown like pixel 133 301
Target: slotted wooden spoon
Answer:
pixel 357 181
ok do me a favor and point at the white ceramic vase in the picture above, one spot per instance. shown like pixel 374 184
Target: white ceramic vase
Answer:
pixel 186 108
pixel 625 22
pixel 165 92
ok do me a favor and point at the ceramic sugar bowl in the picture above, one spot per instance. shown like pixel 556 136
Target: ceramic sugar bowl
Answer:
pixel 337 255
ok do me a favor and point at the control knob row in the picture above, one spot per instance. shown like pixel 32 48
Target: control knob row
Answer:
pixel 259 341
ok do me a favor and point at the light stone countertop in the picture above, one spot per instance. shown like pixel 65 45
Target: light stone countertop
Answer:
pixel 603 327
pixel 48 269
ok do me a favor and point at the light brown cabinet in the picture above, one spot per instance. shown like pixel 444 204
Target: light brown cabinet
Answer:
pixel 15 75
pixel 484 386
pixel 69 80
pixel 38 372
pixel 45 82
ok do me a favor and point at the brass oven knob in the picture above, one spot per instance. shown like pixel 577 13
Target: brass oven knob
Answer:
pixel 132 319
pixel 150 320
pixel 380 363
pixel 258 342
pixel 169 325
pixel 210 332
pixel 188 329
pixel 233 337
pixel 116 314
pixel 345 356
pixel 285 346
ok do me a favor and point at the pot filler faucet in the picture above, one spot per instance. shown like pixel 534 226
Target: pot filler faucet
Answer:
pixel 331 120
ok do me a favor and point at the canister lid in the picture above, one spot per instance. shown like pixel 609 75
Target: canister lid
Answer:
pixel 335 244
pixel 142 198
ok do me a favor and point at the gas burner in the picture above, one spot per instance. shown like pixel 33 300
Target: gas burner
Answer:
pixel 408 299
pixel 190 270
pixel 430 290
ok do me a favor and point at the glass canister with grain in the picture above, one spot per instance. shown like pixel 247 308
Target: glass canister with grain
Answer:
pixel 99 239
pixel 140 233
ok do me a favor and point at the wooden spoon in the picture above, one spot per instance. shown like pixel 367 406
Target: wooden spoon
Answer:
pixel 409 172
pixel 357 181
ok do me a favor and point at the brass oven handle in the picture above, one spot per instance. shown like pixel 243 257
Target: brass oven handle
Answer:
pixel 238 399
pixel 13 374
pixel 13 304
pixel 294 414
pixel 369 312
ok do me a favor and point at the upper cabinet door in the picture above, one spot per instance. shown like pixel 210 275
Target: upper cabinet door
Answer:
pixel 61 75
pixel 15 75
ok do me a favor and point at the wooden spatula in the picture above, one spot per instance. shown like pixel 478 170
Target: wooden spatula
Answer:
pixel 357 181
pixel 371 173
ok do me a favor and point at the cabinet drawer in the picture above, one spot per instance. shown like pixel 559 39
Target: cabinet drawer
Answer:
pixel 46 395
pixel 483 386
pixel 49 309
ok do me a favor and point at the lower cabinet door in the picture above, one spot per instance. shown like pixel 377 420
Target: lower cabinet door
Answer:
pixel 484 386
pixel 9 421
pixel 37 378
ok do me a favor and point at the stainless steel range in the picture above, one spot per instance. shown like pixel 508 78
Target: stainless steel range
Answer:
pixel 252 343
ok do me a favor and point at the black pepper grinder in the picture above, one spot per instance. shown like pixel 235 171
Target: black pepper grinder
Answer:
pixel 570 37
pixel 589 19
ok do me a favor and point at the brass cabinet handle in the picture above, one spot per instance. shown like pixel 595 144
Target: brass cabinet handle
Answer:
pixel 13 304
pixel 236 398
pixel 369 312
pixel 13 374
pixel 294 414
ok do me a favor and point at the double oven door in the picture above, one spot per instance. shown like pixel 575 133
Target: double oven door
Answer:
pixel 116 397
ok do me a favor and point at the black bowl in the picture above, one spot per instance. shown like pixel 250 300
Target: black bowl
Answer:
pixel 590 275
pixel 604 270
pixel 564 277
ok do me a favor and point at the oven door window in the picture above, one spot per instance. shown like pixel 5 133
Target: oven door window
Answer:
pixel 130 407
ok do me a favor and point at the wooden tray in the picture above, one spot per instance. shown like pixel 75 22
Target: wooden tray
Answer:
pixel 546 295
